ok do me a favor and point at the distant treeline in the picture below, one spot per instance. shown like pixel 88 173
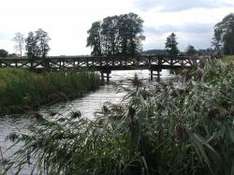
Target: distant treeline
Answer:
pixel 208 51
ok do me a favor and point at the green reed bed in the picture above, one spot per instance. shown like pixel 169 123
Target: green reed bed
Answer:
pixel 169 130
pixel 22 90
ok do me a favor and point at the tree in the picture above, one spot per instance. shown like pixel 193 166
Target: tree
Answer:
pixel 94 39
pixel 116 35
pixel 37 44
pixel 31 45
pixel 191 50
pixel 19 39
pixel 131 34
pixel 171 45
pixel 3 53
pixel 216 42
pixel 109 34
pixel 42 43
pixel 224 35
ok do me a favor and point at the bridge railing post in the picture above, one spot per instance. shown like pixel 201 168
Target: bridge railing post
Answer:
pixel 46 63
pixel 182 59
pixel 87 61
pixel 100 61
pixel 171 61
pixel 149 61
pixel 31 63
pixel 160 63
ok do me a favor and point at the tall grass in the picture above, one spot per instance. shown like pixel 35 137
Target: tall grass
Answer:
pixel 169 130
pixel 21 90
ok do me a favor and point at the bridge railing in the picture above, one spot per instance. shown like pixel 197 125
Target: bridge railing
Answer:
pixel 118 62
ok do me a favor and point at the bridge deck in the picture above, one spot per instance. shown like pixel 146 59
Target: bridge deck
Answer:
pixel 101 63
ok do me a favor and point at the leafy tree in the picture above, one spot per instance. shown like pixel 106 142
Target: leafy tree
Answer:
pixel 216 41
pixel 116 35
pixel 131 29
pixel 42 42
pixel 224 34
pixel 171 45
pixel 3 53
pixel 31 45
pixel 191 50
pixel 110 35
pixel 94 39
pixel 19 39
pixel 37 44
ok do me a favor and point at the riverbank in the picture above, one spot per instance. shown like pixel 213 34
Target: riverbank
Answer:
pixel 228 59
pixel 22 91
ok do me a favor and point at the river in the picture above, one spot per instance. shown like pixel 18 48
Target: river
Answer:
pixel 87 105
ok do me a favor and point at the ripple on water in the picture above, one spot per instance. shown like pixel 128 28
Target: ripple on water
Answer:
pixel 87 105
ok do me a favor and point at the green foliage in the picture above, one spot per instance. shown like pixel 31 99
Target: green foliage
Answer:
pixel 21 90
pixel 37 44
pixel 228 59
pixel 116 35
pixel 94 39
pixel 3 53
pixel 191 50
pixel 169 130
pixel 171 45
pixel 224 35
pixel 20 41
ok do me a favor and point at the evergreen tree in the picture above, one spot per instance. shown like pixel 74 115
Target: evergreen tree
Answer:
pixel 171 45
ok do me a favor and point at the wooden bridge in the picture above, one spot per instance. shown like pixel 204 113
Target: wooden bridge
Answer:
pixel 102 64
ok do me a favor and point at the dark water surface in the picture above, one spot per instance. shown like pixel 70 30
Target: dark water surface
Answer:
pixel 87 105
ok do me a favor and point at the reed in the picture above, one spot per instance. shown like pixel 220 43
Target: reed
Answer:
pixel 168 130
pixel 22 90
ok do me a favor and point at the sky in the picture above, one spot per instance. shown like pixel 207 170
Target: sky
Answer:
pixel 67 21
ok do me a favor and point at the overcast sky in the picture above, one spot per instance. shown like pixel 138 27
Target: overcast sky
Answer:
pixel 67 21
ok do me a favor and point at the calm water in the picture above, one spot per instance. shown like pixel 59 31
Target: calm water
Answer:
pixel 87 105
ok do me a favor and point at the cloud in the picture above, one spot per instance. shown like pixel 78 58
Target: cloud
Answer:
pixel 195 34
pixel 185 28
pixel 175 5
pixel 67 21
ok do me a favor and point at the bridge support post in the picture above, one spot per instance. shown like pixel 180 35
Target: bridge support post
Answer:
pixel 105 74
pixel 152 73
pixel 102 77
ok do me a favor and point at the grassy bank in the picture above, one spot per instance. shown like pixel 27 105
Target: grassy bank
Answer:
pixel 228 59
pixel 169 130
pixel 21 90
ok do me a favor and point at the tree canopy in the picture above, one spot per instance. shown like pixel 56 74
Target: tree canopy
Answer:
pixel 171 45
pixel 3 53
pixel 224 35
pixel 116 35
pixel 37 44
pixel 191 50
pixel 19 46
